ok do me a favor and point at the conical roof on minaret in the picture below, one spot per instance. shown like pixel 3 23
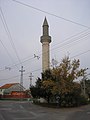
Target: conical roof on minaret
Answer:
pixel 45 23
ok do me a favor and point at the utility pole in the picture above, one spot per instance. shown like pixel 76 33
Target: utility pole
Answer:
pixel 84 86
pixel 30 80
pixel 21 80
pixel 84 83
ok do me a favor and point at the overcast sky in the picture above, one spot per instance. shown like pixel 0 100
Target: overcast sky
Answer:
pixel 21 27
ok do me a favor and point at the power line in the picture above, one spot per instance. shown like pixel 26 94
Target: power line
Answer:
pixel 9 34
pixel 40 68
pixel 19 75
pixel 36 70
pixel 80 54
pixel 16 64
pixel 50 14
pixel 60 46
pixel 7 52
pixel 28 59
pixel 6 49
pixel 69 42
pixel 71 37
pixel 10 78
pixel 4 45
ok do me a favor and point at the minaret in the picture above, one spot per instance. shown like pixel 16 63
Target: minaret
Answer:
pixel 45 40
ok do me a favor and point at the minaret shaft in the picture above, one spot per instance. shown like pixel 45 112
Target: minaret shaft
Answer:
pixel 45 40
pixel 45 56
pixel 45 30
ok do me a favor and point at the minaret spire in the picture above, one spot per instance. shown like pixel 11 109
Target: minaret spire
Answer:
pixel 45 23
pixel 45 27
pixel 45 40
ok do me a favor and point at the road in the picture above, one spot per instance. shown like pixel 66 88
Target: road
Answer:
pixel 82 113
pixel 25 110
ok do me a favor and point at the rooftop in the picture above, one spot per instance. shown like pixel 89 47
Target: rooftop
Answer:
pixel 7 85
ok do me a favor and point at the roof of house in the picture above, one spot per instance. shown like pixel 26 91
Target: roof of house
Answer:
pixel 8 85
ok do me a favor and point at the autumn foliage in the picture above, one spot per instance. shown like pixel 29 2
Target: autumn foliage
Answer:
pixel 58 84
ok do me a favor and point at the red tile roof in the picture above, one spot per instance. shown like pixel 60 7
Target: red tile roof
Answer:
pixel 7 85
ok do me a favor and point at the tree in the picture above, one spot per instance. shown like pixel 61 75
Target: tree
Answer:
pixel 58 84
pixel 60 81
pixel 35 90
pixel 47 85
pixel 38 91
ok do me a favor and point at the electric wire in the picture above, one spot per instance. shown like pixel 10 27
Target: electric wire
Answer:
pixel 40 68
pixel 60 46
pixel 16 64
pixel 80 54
pixel 33 71
pixel 69 42
pixel 69 46
pixel 53 15
pixel 24 4
pixel 71 37
pixel 9 34
pixel 6 47
pixel 30 59
pixel 7 53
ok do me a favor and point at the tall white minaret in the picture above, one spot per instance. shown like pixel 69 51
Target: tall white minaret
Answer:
pixel 45 40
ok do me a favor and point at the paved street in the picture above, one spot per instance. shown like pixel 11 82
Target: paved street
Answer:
pixel 82 113
pixel 10 110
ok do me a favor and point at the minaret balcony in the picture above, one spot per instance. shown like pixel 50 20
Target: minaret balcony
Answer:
pixel 45 38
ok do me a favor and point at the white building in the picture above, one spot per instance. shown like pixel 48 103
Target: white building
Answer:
pixel 11 87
